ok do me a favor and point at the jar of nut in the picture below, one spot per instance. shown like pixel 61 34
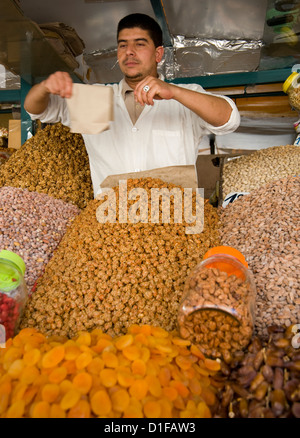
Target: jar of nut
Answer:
pixel 291 87
pixel 13 293
pixel 217 311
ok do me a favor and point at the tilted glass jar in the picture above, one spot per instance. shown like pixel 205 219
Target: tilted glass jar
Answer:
pixel 13 293
pixel 217 311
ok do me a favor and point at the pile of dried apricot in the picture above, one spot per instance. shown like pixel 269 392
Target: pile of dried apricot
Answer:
pixel 145 373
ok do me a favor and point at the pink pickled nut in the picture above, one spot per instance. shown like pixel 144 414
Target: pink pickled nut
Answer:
pixel 9 314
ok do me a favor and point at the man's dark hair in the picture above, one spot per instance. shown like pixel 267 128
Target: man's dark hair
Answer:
pixel 144 22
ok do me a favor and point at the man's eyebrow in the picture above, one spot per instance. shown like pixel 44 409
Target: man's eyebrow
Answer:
pixel 136 40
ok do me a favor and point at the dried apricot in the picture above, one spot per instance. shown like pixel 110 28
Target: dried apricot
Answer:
pixel 152 409
pixel 70 399
pixel 101 403
pixel 83 382
pixel 50 392
pixel 52 357
pixel 120 400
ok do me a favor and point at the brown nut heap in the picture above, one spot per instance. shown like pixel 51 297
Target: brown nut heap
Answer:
pixel 112 275
pixel 214 313
pixel 55 162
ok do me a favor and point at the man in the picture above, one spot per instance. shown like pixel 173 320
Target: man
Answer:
pixel 156 124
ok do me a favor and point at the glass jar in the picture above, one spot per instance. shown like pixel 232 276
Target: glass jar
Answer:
pixel 217 311
pixel 291 87
pixel 13 293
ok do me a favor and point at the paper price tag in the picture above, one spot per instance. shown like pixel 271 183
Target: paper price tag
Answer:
pixel 2 336
pixel 233 196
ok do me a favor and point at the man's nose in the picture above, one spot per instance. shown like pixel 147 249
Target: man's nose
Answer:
pixel 130 49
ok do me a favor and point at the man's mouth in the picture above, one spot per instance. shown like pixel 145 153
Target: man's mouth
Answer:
pixel 130 63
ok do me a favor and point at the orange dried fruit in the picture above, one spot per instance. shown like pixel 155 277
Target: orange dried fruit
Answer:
pixel 170 392
pixel 83 382
pixel 110 359
pixel 84 338
pixel 101 403
pixel 16 409
pixel 53 357
pixel 212 365
pixel 82 409
pixel 83 360
pixel 58 374
pixel 138 367
pixel 16 368
pixel 29 374
pixel 123 341
pixel 40 409
pixel 70 399
pixel 152 409
pixel 50 392
pixel 120 400
pixel 139 389
pixel 56 411
pixel 125 378
pixel 108 377
pixel 154 386
pixel 32 356
pixel 131 352
pixel 95 366
pixel 72 352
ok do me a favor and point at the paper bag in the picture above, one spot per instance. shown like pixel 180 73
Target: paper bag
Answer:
pixel 184 176
pixel 90 108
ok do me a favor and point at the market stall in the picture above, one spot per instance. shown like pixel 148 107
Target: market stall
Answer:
pixel 184 304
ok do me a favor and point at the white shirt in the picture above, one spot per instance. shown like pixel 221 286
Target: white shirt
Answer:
pixel 165 134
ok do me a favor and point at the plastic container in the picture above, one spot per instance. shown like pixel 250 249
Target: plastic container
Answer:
pixel 13 293
pixel 217 311
pixel 291 86
pixel 297 129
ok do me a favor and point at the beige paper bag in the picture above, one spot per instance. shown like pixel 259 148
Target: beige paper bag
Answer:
pixel 184 176
pixel 90 108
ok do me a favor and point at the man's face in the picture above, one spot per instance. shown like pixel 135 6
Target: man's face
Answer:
pixel 137 54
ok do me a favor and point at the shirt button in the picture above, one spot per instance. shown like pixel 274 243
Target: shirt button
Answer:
pixel 134 129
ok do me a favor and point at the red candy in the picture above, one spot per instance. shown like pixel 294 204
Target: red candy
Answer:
pixel 9 314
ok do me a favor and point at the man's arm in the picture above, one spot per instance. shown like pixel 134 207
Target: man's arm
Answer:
pixel 213 109
pixel 37 99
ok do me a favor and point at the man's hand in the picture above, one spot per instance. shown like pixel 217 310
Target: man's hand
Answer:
pixel 37 99
pixel 59 83
pixel 157 90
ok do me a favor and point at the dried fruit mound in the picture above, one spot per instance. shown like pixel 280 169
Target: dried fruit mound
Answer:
pixel 113 275
pixel 54 162
pixel 147 372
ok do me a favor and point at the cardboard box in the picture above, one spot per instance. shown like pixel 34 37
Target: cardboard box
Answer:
pixel 14 134
pixel 209 172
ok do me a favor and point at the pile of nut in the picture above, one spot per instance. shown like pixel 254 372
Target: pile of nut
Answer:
pixel 32 225
pixel 264 227
pixel 250 172
pixel 264 381
pixel 112 275
pixel 216 312
pixel 54 162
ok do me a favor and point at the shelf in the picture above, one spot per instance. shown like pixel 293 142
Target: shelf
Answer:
pixel 24 50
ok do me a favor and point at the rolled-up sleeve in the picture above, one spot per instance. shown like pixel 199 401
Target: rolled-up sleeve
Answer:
pixel 56 111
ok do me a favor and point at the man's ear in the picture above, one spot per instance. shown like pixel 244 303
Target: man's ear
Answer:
pixel 159 53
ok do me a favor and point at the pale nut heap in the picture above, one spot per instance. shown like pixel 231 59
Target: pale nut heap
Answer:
pixel 250 172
